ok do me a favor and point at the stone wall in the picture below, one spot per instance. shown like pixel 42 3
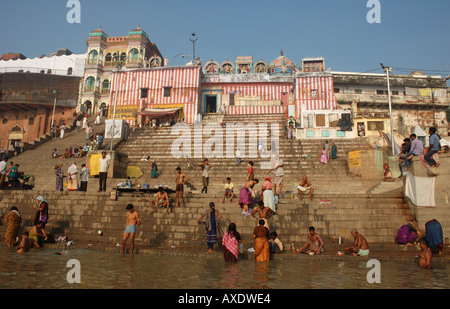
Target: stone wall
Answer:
pixel 441 211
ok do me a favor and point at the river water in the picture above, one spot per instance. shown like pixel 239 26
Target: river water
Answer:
pixel 98 269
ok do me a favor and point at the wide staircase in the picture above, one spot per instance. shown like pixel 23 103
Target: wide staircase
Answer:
pixel 340 201
pixel 39 161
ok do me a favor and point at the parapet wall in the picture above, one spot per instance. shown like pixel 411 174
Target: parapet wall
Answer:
pixel 441 210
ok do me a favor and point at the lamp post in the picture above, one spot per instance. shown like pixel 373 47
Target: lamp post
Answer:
pixel 387 70
pixel 118 67
pixel 52 129
pixel 193 39
pixel 429 80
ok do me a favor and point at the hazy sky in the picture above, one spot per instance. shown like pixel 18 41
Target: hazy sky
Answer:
pixel 413 34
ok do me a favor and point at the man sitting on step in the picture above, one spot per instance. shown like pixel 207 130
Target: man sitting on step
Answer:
pixel 162 200
pixel 305 187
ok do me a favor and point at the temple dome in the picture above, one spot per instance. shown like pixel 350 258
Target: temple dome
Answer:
pixel 282 65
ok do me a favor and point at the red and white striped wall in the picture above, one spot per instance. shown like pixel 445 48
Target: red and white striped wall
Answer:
pixel 255 110
pixel 314 93
pixel 265 91
pixel 184 83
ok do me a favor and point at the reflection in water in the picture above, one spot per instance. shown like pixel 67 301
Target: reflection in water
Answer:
pixel 261 275
pixel 111 270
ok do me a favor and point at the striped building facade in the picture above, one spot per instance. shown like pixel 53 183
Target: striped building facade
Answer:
pixel 142 94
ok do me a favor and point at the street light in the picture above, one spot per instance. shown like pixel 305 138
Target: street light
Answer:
pixel 193 39
pixel 52 129
pixel 387 70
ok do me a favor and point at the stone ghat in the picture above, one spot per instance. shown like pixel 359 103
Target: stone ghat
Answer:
pixel 80 216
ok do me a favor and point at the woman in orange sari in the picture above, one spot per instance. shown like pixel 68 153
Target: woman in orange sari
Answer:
pixel 261 236
pixel 13 220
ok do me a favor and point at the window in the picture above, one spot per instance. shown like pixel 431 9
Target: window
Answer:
pixel 336 90
pixel 89 84
pixel 167 91
pixel 144 93
pixel 69 71
pixel 31 121
pixel 358 91
pixel 375 125
pixel 231 98
pixel 133 55
pixel 381 91
pixel 108 57
pixel 105 86
pixel 394 92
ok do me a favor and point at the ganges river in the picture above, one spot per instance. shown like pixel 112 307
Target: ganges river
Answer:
pixel 100 269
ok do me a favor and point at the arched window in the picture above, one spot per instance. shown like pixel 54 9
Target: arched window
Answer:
pixel 93 56
pixel 69 71
pixel 31 121
pixel 108 58
pixel 133 55
pixel 89 84
pixel 123 56
pixel 105 86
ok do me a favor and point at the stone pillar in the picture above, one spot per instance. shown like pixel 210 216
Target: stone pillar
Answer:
pixel 366 164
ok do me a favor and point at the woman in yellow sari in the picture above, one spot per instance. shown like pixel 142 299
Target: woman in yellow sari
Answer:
pixel 13 220
pixel 261 236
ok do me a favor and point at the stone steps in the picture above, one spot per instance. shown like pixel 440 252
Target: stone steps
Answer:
pixel 81 215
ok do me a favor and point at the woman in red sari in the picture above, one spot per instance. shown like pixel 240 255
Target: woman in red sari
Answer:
pixel 230 241
pixel 261 236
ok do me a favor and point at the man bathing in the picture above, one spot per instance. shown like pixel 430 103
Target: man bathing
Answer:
pixel 314 244
pixel 130 227
pixel 360 246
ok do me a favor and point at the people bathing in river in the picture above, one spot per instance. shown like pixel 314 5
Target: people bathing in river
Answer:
pixel 133 220
pixel 360 246
pixel 424 255
pixel 230 241
pixel 313 245
pixel 275 244
pixel 13 220
pixel 212 226
pixel 26 243
pixel 261 237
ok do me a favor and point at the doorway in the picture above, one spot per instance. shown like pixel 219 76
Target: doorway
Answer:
pixel 210 104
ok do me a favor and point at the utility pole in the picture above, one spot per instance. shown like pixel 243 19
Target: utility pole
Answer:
pixel 388 70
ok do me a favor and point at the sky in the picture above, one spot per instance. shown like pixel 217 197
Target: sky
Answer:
pixel 412 34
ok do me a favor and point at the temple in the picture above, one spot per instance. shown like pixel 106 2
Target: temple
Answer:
pixel 130 74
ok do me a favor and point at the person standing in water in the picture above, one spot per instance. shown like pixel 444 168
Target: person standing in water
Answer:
pixel 130 227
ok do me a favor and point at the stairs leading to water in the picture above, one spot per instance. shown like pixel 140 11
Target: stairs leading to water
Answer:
pixel 341 201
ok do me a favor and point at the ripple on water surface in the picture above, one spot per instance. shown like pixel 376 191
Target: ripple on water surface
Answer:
pixel 110 270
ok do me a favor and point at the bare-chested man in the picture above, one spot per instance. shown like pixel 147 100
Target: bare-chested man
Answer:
pixel 305 187
pixel 314 244
pixel 360 246
pixel 162 200
pixel 180 181
pixel 26 244
pixel 425 255
pixel 130 227
pixel 264 213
